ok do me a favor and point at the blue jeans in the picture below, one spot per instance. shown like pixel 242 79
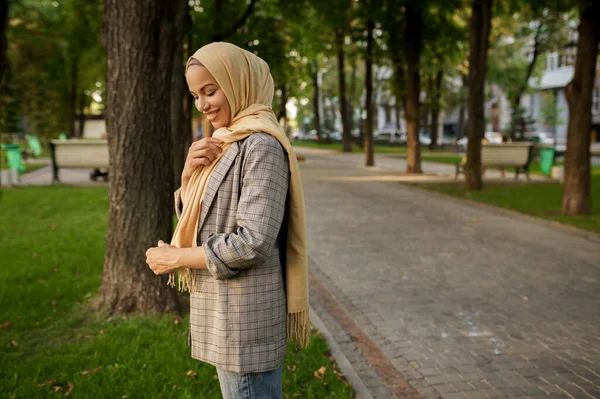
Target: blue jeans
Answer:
pixel 266 385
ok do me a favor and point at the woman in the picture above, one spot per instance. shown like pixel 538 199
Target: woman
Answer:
pixel 239 246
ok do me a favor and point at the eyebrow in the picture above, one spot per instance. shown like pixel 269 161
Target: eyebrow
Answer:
pixel 203 87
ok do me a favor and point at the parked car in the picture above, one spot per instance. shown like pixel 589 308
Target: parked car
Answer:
pixel 424 137
pixel 389 137
pixel 540 138
pixel 492 137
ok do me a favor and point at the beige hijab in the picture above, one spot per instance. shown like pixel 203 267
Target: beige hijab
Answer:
pixel 248 86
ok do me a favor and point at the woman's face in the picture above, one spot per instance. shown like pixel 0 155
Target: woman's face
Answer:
pixel 208 96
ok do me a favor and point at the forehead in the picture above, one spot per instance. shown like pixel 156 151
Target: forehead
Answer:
pixel 198 76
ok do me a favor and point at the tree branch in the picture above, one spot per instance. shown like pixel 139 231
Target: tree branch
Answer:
pixel 237 24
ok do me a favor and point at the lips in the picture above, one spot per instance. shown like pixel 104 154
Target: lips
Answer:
pixel 211 116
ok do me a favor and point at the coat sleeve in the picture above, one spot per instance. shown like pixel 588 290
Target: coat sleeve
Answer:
pixel 259 214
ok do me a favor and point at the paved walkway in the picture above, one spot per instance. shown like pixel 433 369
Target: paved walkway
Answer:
pixel 429 296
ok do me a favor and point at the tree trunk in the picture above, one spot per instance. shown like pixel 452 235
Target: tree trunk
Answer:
pixel 577 191
pixel 178 86
pixel 435 109
pixel 346 136
pixel 350 99
pixel 462 126
pixel 479 32
pixel 516 102
pixel 282 114
pixel 139 57
pixel 3 44
pixel 369 145
pixel 81 124
pixel 72 101
pixel 188 100
pixel 316 96
pixel 414 26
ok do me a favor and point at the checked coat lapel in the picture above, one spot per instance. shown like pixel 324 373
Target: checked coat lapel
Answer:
pixel 215 180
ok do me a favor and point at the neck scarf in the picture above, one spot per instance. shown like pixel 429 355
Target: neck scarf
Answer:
pixel 248 85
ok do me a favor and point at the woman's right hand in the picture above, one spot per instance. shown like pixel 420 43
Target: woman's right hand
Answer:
pixel 202 152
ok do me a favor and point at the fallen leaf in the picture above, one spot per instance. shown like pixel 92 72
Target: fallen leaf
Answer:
pixel 70 389
pixel 46 383
pixel 338 373
pixel 176 320
pixel 57 388
pixel 191 373
pixel 13 343
pixel 124 396
pixel 320 373
pixel 173 387
pixel 85 372
pixel 101 332
pixel 325 383
pixel 523 297
pixel 35 255
pixel 5 325
pixel 291 367
pixel 215 377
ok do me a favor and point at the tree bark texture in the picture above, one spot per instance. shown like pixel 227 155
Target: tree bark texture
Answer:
pixel 479 33
pixel 462 126
pixel 414 38
pixel 282 114
pixel 369 145
pixel 138 37
pixel 316 95
pixel 179 91
pixel 577 186
pixel 346 136
pixel 435 109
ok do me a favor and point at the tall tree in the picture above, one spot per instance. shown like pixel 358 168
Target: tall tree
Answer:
pixel 414 42
pixel 180 131
pixel 3 22
pixel 139 55
pixel 577 190
pixel 340 36
pixel 369 145
pixel 479 32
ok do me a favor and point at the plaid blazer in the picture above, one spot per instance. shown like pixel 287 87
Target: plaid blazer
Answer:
pixel 238 316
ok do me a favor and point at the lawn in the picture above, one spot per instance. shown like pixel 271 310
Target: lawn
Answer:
pixel 379 149
pixel 54 344
pixel 536 199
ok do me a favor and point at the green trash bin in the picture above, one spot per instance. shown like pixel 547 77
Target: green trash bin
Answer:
pixel 62 136
pixel 34 145
pixel 546 160
pixel 13 156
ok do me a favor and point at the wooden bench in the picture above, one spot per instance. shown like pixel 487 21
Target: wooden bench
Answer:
pixel 502 155
pixel 80 154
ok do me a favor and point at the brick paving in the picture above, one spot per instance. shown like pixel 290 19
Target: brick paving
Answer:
pixel 451 299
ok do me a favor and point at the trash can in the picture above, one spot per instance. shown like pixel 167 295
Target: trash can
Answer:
pixel 546 160
pixel 13 156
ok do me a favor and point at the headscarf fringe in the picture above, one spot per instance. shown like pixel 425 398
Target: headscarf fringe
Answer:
pixel 298 328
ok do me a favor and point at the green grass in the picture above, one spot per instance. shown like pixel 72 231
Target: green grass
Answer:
pixel 29 167
pixel 52 255
pixel 379 149
pixel 536 199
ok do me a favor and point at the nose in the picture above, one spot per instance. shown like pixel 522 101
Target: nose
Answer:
pixel 201 105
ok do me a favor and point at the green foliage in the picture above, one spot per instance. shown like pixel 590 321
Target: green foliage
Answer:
pixel 550 113
pixel 53 339
pixel 54 50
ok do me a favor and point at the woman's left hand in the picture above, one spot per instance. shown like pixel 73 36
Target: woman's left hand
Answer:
pixel 162 259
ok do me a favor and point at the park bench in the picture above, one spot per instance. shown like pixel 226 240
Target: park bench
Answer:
pixel 502 155
pixel 79 154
